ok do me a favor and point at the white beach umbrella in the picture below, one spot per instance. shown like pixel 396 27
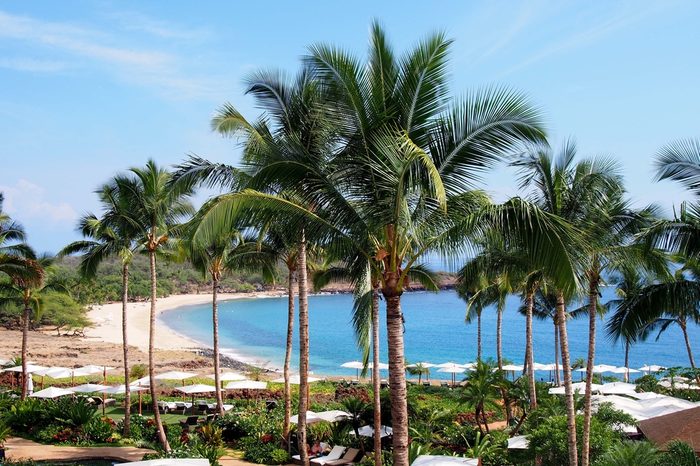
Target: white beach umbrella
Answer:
pixel 601 368
pixel 294 379
pixel 651 368
pixel 228 376
pixel 618 388
pixel 174 375
pixel 447 364
pixel 424 364
pixel 121 389
pixel 89 388
pixel 519 442
pixel 513 367
pixel 51 392
pixel 542 367
pixel 47 371
pixel 576 387
pixel 368 431
pixel 323 416
pixel 453 369
pixel 91 369
pixel 442 460
pixel 31 368
pixel 382 366
pixel 4 362
pixel 143 381
pixel 624 370
pixel 198 388
pixel 357 365
pixel 246 385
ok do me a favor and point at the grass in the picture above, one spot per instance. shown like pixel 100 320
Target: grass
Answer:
pixel 117 413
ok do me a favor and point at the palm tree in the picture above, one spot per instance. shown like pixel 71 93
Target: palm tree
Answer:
pixel 157 206
pixel 481 392
pixel 397 177
pixel 475 307
pixel 27 290
pixel 657 306
pixel 110 235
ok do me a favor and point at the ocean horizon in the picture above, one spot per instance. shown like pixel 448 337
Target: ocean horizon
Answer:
pixel 254 329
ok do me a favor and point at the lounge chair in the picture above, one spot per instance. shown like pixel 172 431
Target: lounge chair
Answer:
pixel 444 384
pixel 183 406
pixel 426 384
pixel 335 454
pixel 348 458
pixel 190 421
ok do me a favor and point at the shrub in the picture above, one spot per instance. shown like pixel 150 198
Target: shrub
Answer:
pixel 679 454
pixel 99 429
pixel 27 416
pixel 74 412
pixel 257 451
pixel 630 454
pixel 142 428
pixel 549 440
pixel 49 433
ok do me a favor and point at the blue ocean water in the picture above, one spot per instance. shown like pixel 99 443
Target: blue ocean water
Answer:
pixel 435 331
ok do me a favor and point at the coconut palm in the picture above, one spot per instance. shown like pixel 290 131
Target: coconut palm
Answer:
pixel 157 206
pixel 398 175
pixel 27 291
pixel 656 307
pixel 481 393
pixel 111 235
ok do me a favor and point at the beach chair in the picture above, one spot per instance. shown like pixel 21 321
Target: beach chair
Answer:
pixel 335 454
pixel 189 422
pixel 383 383
pixel 183 406
pixel 444 384
pixel 426 384
pixel 349 457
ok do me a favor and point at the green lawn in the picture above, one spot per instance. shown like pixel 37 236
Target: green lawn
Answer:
pixel 117 413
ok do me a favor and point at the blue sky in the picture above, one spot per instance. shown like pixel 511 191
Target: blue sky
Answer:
pixel 91 88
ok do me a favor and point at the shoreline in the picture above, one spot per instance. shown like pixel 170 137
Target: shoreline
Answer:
pixel 107 324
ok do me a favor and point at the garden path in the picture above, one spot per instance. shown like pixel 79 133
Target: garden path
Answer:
pixel 19 448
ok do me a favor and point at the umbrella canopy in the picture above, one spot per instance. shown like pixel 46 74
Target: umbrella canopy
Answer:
pixel 652 368
pixel 623 370
pixel 353 365
pixel 600 368
pixel 246 385
pixel 4 361
pixel 121 389
pixel 146 381
pixel 31 368
pixel 575 387
pixel 423 364
pixel 456 369
pixel 438 460
pixel 382 366
pixel 91 369
pixel 294 380
pixel 519 442
pixel 51 392
pixel 228 376
pixel 512 367
pixel 334 415
pixel 368 431
pixel 89 388
pixel 311 418
pixel 543 367
pixel 49 370
pixel 618 388
pixel 447 364
pixel 174 375
pixel 198 388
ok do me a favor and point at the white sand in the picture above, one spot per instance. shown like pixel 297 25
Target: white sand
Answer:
pixel 107 319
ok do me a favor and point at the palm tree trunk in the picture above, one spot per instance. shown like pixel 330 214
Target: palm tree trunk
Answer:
pixel 151 360
pixel 684 328
pixel 125 346
pixel 529 350
pixel 288 353
pixel 25 336
pixel 627 359
pixel 499 331
pixel 566 363
pixel 303 351
pixel 478 336
pixel 397 377
pixel 215 341
pixel 557 379
pixel 592 314
pixel 376 397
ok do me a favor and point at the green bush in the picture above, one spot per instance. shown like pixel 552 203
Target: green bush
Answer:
pixel 74 412
pixel 258 451
pixel 550 442
pixel 99 430
pixel 679 454
pixel 630 454
pixel 142 428
pixel 48 434
pixel 27 416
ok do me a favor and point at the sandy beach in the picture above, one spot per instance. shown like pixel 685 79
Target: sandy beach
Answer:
pixel 107 320
pixel 102 342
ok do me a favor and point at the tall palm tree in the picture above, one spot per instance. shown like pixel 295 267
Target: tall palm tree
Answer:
pixel 398 175
pixel 157 206
pixel 111 235
pixel 27 290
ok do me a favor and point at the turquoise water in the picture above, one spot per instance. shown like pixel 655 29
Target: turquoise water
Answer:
pixel 435 332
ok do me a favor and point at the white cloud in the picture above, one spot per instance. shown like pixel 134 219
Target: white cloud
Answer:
pixel 26 200
pixel 146 67
pixel 135 21
pixel 32 65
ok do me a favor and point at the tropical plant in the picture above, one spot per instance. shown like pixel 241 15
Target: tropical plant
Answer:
pixel 630 453
pixel 481 392
pixel 156 206
pixel 112 234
